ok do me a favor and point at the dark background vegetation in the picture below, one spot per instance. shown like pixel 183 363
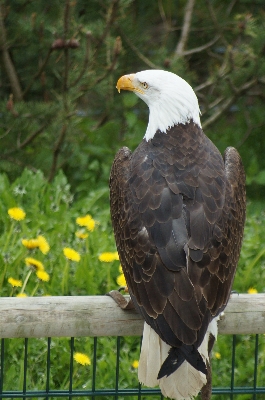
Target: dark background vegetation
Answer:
pixel 60 61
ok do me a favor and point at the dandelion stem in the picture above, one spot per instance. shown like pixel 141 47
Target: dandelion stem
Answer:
pixel 8 237
pixel 252 265
pixel 26 281
pixel 108 280
pixel 65 278
pixel 3 253
pixel 65 383
pixel 35 289
pixel 3 276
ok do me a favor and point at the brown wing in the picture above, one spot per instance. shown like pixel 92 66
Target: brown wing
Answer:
pixel 178 213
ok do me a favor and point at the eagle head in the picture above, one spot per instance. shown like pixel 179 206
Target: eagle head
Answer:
pixel 171 100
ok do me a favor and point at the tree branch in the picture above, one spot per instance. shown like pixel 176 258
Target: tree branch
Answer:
pixel 31 137
pixel 185 28
pixel 201 48
pixel 7 61
pixel 38 73
pixel 138 53
pixel 17 162
pixel 249 130
pixel 216 23
pixel 108 69
pixel 111 15
pixel 86 60
pixel 56 152
pixel 167 27
pixel 66 49
pixel 228 102
pixel 230 7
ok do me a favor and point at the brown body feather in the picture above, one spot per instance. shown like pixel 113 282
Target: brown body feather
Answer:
pixel 178 213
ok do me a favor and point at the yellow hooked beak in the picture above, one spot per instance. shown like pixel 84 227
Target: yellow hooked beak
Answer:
pixel 128 82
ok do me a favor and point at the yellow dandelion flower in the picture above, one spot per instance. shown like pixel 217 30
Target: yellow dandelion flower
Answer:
pixel 16 213
pixel 43 276
pixel 121 280
pixel 14 282
pixel 71 254
pixel 252 291
pixel 108 256
pixel 30 243
pixel 32 262
pixel 43 244
pixel 135 364
pixel 82 358
pixel 120 269
pixel 81 235
pixel 217 355
pixel 21 295
pixel 91 225
pixel 86 221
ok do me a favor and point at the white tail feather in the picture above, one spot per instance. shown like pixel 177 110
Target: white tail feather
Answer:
pixel 149 365
pixel 186 382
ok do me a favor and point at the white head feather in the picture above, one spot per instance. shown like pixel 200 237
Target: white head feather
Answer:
pixel 171 100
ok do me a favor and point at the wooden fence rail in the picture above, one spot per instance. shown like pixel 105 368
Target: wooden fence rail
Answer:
pixel 100 316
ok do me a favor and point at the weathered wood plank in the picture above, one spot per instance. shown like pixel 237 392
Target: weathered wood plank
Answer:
pixel 100 316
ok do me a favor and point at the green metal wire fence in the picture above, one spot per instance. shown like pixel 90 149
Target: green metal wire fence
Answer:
pixel 37 367
pixel 254 391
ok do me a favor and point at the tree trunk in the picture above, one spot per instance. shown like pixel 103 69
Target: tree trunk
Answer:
pixel 7 61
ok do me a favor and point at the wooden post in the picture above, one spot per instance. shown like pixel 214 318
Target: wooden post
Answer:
pixel 100 316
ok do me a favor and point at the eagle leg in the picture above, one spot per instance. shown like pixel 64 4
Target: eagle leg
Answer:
pixel 206 392
pixel 122 302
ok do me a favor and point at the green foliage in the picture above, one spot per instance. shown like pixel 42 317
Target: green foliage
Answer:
pixel 67 58
pixel 47 206
pixel 251 267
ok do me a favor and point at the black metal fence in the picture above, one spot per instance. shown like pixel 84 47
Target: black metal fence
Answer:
pixel 46 386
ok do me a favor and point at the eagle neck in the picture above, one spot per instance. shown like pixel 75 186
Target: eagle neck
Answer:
pixel 165 115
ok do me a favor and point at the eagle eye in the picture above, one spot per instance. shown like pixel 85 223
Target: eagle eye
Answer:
pixel 144 85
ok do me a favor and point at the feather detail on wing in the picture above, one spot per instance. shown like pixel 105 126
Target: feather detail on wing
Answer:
pixel 178 212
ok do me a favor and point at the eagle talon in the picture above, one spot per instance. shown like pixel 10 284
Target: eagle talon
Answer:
pixel 123 288
pixel 122 302
pixel 221 316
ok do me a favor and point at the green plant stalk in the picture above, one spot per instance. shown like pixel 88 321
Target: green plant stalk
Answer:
pixel 13 240
pixel 18 260
pixel 252 265
pixel 65 278
pixel 8 236
pixel 108 279
pixel 4 250
pixel 35 289
pixel 26 281
pixel 3 276
pixel 21 374
pixel 65 383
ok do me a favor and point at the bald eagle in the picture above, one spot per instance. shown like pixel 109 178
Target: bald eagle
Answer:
pixel 178 213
